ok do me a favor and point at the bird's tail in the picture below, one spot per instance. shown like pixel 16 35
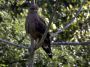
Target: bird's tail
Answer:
pixel 47 46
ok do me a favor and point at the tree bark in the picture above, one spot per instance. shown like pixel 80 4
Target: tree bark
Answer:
pixel 31 52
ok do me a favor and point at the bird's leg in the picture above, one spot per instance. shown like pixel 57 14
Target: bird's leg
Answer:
pixel 36 43
pixel 32 46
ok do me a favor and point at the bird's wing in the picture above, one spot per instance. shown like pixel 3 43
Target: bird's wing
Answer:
pixel 27 25
pixel 42 20
pixel 40 25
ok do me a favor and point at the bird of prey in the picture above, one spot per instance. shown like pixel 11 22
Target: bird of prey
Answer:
pixel 35 26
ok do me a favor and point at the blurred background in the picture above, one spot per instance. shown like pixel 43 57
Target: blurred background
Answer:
pixel 12 28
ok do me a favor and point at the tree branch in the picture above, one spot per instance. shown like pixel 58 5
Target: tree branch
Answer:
pixel 71 43
pixel 13 44
pixel 52 43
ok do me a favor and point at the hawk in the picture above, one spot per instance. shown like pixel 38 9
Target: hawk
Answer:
pixel 35 26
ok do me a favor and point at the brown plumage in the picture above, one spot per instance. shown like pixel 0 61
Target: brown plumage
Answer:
pixel 35 26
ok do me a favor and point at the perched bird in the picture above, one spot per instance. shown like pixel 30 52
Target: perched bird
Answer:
pixel 35 26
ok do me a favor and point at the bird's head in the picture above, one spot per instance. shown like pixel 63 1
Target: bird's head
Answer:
pixel 33 8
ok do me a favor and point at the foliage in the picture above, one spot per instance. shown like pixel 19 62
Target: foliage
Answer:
pixel 12 21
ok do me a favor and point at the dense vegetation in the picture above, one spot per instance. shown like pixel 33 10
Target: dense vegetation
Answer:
pixel 12 28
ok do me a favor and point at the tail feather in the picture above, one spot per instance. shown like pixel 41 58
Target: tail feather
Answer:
pixel 47 46
pixel 47 49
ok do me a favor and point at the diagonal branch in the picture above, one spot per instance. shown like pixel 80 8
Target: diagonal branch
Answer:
pixel 46 31
pixel 71 21
pixel 44 35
